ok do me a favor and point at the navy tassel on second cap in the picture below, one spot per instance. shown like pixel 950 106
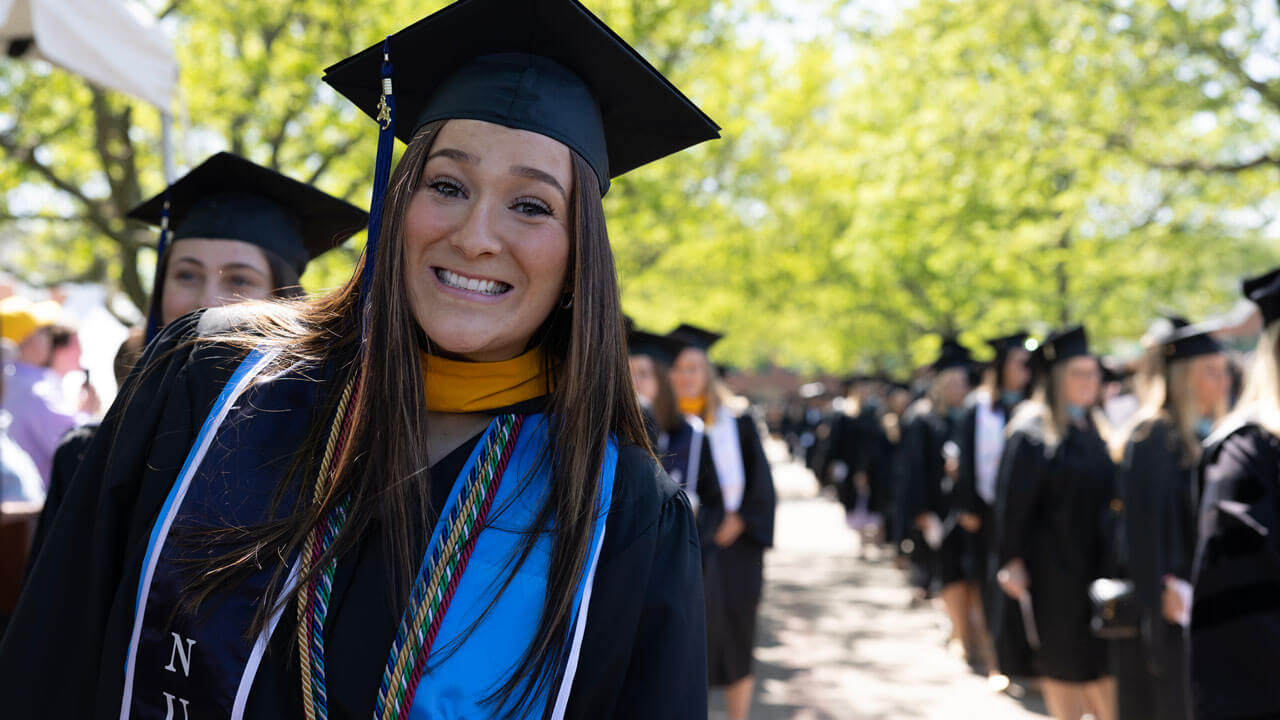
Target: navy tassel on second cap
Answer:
pixel 153 317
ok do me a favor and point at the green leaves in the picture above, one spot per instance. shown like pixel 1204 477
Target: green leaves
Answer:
pixel 952 166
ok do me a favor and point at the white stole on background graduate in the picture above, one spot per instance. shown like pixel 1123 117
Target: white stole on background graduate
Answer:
pixel 726 453
pixel 988 445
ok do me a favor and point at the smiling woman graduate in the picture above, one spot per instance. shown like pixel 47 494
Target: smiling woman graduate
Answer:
pixel 428 494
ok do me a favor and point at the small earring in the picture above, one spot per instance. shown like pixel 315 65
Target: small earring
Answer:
pixel 565 304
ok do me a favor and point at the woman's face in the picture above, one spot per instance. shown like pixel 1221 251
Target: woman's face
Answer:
pixel 1017 370
pixel 208 273
pixel 645 377
pixel 487 238
pixel 1210 378
pixel 691 373
pixel 1081 381
pixel 953 386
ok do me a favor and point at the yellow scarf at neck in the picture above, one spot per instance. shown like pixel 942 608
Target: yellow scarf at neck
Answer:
pixel 693 406
pixel 457 386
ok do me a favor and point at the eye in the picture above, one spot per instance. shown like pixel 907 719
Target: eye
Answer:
pixel 532 207
pixel 184 276
pixel 446 187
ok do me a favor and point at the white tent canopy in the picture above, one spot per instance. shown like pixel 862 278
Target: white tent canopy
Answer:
pixel 100 40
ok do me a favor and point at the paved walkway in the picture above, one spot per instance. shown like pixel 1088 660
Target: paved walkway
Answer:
pixel 836 639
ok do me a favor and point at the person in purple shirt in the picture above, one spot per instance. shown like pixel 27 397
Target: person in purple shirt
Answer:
pixel 31 390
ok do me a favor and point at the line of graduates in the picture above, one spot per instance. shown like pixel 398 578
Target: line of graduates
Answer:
pixel 708 442
pixel 1128 565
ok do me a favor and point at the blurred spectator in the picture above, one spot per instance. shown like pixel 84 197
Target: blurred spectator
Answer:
pixel 32 391
pixel 65 360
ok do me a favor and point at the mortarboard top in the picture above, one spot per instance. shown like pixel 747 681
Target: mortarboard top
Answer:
pixel 696 337
pixel 547 66
pixel 1006 343
pixel 230 198
pixel 952 355
pixel 662 348
pixel 1264 291
pixel 1190 341
pixel 1063 345
pixel 1114 371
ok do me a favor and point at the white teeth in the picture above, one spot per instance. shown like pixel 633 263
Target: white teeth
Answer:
pixel 461 282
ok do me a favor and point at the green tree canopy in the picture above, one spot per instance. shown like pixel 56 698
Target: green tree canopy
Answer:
pixel 953 166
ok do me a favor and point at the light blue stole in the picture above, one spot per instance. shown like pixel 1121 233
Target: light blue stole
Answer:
pixel 182 667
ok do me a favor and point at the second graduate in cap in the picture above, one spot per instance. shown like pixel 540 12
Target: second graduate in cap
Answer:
pixel 444 502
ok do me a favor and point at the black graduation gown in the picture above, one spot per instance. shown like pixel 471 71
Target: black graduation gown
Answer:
pixel 975 563
pixel 1235 616
pixel 979 563
pixel 710 501
pixel 642 654
pixel 66 460
pixel 891 474
pixel 1156 537
pixel 929 490
pixel 855 441
pixel 1049 513
pixel 734 575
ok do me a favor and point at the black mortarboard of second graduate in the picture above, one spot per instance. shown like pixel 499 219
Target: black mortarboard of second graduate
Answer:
pixel 662 348
pixel 696 337
pixel 229 198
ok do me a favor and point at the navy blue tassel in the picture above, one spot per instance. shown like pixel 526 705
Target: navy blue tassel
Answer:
pixel 381 176
pixel 153 317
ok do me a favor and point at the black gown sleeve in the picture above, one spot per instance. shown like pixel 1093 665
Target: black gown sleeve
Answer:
pixel 915 464
pixel 644 648
pixel 759 499
pixel 66 460
pixel 63 655
pixel 965 495
pixel 1235 613
pixel 1018 482
pixel 710 499
pixel 1146 480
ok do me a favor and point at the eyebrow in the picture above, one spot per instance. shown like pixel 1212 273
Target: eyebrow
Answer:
pixel 241 266
pixel 541 176
pixel 532 173
pixel 223 268
pixel 454 154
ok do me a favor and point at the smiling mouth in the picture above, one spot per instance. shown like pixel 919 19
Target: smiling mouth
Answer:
pixel 461 282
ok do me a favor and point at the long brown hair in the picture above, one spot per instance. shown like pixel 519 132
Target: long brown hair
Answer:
pixel 1166 397
pixel 1047 405
pixel 384 468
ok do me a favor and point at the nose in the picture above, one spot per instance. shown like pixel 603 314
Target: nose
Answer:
pixel 477 236
pixel 211 295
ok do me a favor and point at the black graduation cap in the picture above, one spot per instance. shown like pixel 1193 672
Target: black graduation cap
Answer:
pixel 1114 371
pixel 1063 345
pixel 548 66
pixel 1264 291
pixel 1002 345
pixel 1190 341
pixel 696 337
pixel 662 348
pixel 953 355
pixel 230 198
